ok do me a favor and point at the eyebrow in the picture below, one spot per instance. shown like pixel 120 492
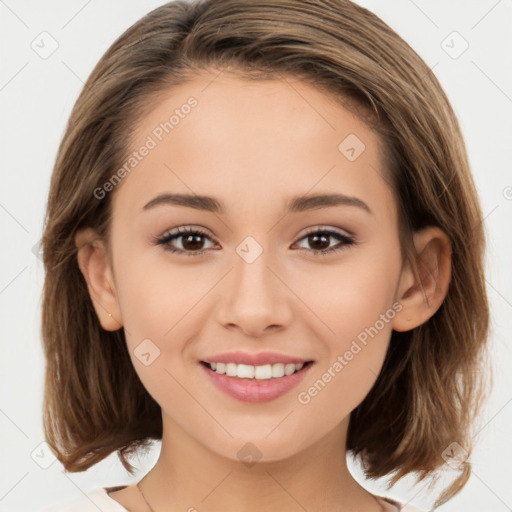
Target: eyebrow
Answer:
pixel 296 204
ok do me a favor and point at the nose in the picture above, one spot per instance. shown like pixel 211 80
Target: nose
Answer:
pixel 254 297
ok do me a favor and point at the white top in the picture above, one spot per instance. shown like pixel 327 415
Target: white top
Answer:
pixel 98 500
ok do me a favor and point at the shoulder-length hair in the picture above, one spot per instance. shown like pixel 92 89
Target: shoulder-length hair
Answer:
pixel 431 386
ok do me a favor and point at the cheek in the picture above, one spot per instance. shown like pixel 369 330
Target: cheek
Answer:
pixel 353 294
pixel 354 355
pixel 356 305
pixel 161 304
pixel 338 387
pixel 158 316
pixel 156 297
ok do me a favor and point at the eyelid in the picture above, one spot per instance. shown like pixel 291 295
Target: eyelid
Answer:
pixel 179 230
pixel 320 227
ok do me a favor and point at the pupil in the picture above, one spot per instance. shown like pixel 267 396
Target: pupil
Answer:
pixel 195 243
pixel 316 238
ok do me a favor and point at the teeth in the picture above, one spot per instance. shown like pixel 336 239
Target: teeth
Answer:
pixel 247 371
pixel 244 371
pixel 231 369
pixel 278 370
pixel 289 369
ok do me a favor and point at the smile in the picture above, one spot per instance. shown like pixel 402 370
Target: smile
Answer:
pixel 264 372
pixel 250 383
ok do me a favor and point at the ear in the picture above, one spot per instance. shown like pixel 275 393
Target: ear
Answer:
pixel 421 296
pixel 94 264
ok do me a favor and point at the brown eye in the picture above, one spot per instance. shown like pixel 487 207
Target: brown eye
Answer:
pixel 192 241
pixel 319 241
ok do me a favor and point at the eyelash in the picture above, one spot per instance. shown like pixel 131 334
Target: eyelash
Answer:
pixel 166 238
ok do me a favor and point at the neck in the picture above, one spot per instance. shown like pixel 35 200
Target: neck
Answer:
pixel 189 476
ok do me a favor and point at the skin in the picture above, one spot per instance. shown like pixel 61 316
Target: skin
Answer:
pixel 278 139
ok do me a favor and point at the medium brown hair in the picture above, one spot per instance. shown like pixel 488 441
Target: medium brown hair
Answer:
pixel 432 383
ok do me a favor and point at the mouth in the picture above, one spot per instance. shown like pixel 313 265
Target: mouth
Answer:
pixel 251 372
pixel 251 383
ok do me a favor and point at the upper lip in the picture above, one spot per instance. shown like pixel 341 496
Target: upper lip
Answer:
pixel 255 359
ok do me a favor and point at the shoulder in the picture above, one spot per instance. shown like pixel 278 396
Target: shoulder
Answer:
pixel 89 501
pixel 391 505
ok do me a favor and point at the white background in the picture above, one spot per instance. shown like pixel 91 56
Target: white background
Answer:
pixel 37 96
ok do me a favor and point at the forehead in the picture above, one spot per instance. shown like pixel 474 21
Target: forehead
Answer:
pixel 263 139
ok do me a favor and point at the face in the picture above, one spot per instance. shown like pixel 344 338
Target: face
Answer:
pixel 241 277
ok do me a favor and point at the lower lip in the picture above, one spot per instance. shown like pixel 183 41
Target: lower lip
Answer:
pixel 253 390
